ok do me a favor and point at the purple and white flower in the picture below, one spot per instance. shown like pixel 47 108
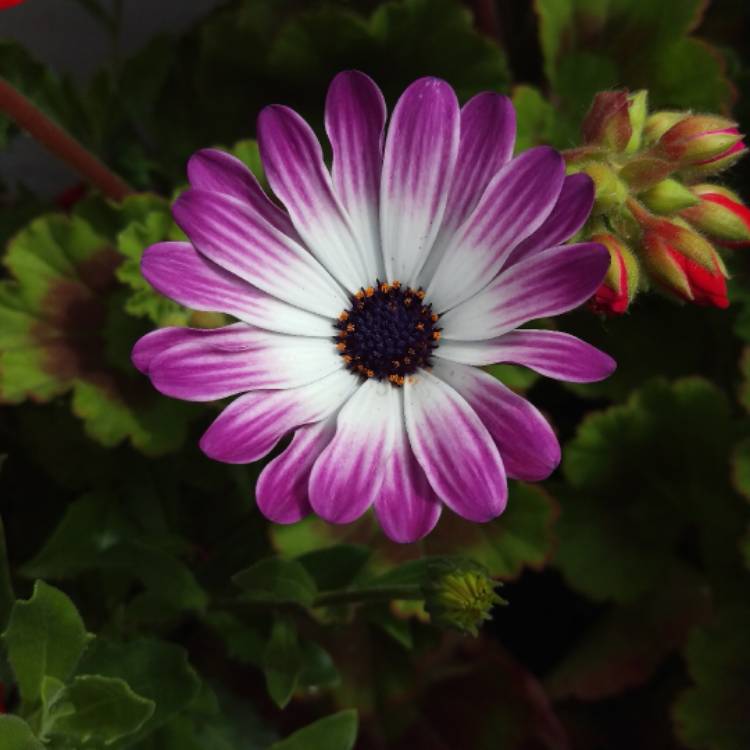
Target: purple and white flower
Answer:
pixel 369 303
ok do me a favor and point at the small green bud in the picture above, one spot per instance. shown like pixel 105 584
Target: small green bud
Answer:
pixel 638 108
pixel 611 192
pixel 668 197
pixel 607 123
pixel 658 123
pixel 460 595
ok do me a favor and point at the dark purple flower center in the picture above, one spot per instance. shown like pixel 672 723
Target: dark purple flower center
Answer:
pixel 387 333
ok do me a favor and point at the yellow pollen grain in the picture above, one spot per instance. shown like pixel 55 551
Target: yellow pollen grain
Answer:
pixel 370 373
pixel 360 294
pixel 420 293
pixel 436 335
pixel 369 291
pixel 348 359
pixel 385 288
pixel 396 284
pixel 344 316
pixel 408 300
pixel 420 326
pixel 350 327
pixel 341 346
pixel 434 317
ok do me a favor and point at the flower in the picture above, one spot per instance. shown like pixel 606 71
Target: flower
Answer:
pixel 621 282
pixel 369 304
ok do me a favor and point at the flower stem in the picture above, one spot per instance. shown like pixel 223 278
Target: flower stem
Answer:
pixel 410 591
pixel 29 117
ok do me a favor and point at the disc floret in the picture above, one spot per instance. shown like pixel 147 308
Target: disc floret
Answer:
pixel 388 332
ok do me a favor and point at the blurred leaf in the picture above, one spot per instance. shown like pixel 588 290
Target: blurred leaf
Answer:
pixel 518 378
pixel 590 45
pixel 156 671
pixel 282 662
pixel 15 734
pixel 522 537
pixel 98 710
pixel 336 732
pixel 335 567
pixel 277 581
pixel 640 477
pixel 247 152
pixel 713 714
pixel 318 670
pixel 626 645
pixel 45 636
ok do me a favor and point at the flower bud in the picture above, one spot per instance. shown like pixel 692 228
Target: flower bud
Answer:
pixel 610 191
pixel 717 163
pixel 668 196
pixel 658 123
pixel 621 282
pixel 681 275
pixel 699 140
pixel 645 171
pixel 638 108
pixel 607 122
pixel 721 215
pixel 460 594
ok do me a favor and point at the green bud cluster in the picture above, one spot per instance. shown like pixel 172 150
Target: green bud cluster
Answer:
pixel 460 594
pixel 649 173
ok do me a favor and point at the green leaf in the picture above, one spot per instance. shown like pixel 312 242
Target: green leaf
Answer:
pixel 712 715
pixel 282 662
pixel 522 537
pixel 98 710
pixel 15 734
pixel 156 671
pixel 277 581
pixel 317 670
pixel 335 567
pixel 248 153
pixel 336 732
pixel 45 636
pixel 640 477
pixel 626 645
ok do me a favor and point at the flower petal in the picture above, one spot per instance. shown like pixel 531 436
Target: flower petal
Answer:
pixel 154 343
pixel 355 119
pixel 281 491
pixel 488 133
pixel 220 172
pixel 407 506
pixel 420 156
pixel 294 165
pixel 178 271
pixel 547 283
pixel 454 448
pixel 528 445
pixel 568 216
pixel 211 364
pixel 552 353
pixel 241 241
pixel 517 201
pixel 252 424
pixel 348 475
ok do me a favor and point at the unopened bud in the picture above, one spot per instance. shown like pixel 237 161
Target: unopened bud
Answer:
pixel 607 123
pixel 721 215
pixel 638 108
pixel 680 275
pixel 610 191
pixel 658 123
pixel 698 140
pixel 620 285
pixel 678 234
pixel 645 171
pixel 460 595
pixel 718 163
pixel 668 196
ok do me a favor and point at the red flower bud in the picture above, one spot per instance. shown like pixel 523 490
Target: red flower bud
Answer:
pixel 608 122
pixel 702 142
pixel 9 4
pixel 681 275
pixel 621 282
pixel 721 215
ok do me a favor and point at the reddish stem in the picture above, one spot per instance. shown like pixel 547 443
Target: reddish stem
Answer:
pixel 31 119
